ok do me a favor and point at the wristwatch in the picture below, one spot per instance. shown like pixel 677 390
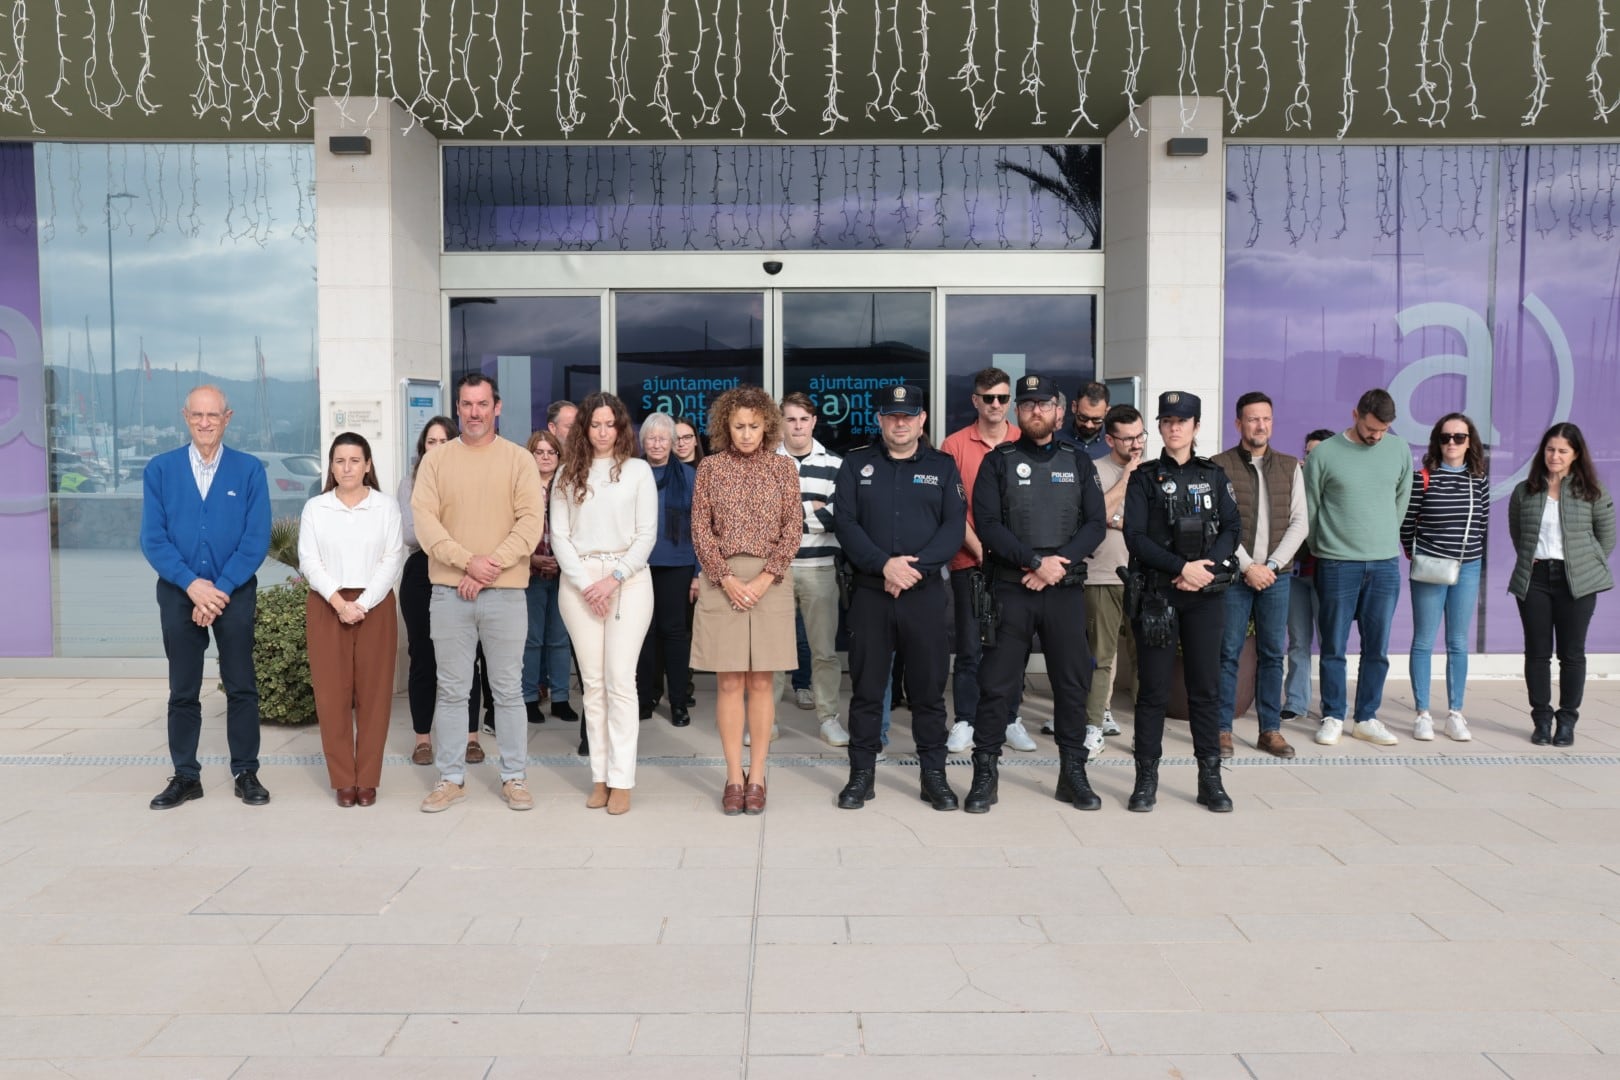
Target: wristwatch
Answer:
pixel 1271 564
pixel 1117 519
pixel 618 575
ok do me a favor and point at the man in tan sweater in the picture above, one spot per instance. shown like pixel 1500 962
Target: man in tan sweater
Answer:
pixel 479 512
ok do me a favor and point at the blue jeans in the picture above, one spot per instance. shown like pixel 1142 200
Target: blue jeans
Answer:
pixel 1301 634
pixel 547 640
pixel 1364 593
pixel 1458 603
pixel 1269 607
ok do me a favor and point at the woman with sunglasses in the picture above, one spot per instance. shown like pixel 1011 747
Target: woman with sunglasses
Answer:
pixel 1445 524
pixel 1562 523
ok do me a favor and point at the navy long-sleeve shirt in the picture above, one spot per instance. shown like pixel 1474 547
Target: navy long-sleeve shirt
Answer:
pixel 990 499
pixel 885 506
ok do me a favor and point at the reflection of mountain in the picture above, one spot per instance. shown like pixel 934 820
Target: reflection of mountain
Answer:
pixel 677 338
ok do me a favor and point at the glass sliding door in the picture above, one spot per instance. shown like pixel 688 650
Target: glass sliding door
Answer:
pixel 842 348
pixel 538 349
pixel 1052 334
pixel 675 352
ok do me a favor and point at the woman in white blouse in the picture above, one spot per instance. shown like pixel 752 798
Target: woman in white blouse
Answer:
pixel 604 515
pixel 350 550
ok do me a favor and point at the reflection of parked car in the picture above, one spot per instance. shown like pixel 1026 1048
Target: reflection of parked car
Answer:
pixel 72 471
pixel 292 474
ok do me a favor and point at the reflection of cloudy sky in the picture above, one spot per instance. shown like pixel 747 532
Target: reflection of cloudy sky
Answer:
pixel 218 243
pixel 752 197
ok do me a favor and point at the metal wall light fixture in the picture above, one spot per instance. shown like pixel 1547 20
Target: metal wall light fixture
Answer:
pixel 1187 147
pixel 357 144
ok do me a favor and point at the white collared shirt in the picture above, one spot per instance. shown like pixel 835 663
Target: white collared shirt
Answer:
pixel 203 471
pixel 358 547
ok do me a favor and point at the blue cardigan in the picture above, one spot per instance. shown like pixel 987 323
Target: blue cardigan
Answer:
pixel 222 540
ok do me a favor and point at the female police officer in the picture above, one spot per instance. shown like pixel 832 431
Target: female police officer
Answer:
pixel 1182 528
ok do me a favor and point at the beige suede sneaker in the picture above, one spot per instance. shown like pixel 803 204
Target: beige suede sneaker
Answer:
pixel 516 794
pixel 444 793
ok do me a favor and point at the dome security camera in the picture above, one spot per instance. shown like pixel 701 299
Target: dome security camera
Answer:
pixel 773 267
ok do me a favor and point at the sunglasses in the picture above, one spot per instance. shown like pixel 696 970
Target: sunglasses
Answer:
pixel 1458 437
pixel 995 399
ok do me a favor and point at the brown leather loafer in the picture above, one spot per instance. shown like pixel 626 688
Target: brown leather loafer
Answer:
pixel 754 799
pixel 731 801
pixel 423 754
pixel 475 754
pixel 348 796
pixel 366 797
pixel 1272 742
pixel 1226 744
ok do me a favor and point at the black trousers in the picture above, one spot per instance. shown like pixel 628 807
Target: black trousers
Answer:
pixel 1058 614
pixel 914 627
pixel 422 684
pixel 184 643
pixel 666 652
pixel 1201 618
pixel 1550 614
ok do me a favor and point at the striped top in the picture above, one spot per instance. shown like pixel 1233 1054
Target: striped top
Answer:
pixel 817 471
pixel 1438 515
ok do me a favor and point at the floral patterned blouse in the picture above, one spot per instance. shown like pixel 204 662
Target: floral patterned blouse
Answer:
pixel 746 504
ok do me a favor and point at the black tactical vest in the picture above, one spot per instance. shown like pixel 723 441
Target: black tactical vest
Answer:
pixel 1193 491
pixel 1043 497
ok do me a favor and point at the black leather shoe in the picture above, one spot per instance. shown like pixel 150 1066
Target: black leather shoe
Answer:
pixel 1146 792
pixel 584 749
pixel 1564 733
pixel 678 716
pixel 859 791
pixel 249 790
pixel 982 794
pixel 563 711
pixel 647 710
pixel 936 791
pixel 181 789
pixel 1542 733
pixel 1210 791
pixel 1073 786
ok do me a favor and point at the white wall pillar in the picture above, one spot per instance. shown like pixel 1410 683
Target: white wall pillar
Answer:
pixel 1163 225
pixel 377 268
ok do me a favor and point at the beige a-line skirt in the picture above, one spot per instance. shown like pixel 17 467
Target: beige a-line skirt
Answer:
pixel 761 639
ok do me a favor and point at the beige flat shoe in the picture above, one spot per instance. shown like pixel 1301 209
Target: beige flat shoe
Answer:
pixel 598 797
pixel 618 801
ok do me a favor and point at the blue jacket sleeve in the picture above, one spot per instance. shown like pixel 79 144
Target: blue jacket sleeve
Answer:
pixel 858 547
pixel 156 545
pixel 254 542
pixel 947 538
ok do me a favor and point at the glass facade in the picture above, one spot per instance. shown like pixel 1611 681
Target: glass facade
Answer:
pixel 677 352
pixel 1050 334
pixel 131 274
pixel 1483 279
pixel 733 197
pixel 538 349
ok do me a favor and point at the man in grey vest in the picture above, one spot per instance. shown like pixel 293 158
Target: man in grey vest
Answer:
pixel 1270 490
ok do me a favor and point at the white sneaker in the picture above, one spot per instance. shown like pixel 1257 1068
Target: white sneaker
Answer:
pixel 1108 725
pixel 1094 740
pixel 1423 727
pixel 833 733
pixel 1328 733
pixel 881 756
pixel 1374 731
pixel 748 739
pixel 1017 737
pixel 805 699
pixel 960 740
pixel 1457 727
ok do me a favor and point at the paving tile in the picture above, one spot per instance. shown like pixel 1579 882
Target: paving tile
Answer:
pixel 339 1068
pixel 1543 927
pixel 1089 855
pixel 192 1068
pixel 555 929
pixel 1555 1066
pixel 388 929
pixel 1601 1029
pixel 1258 889
pixel 802 930
pixel 689 1034
pixel 704 930
pixel 1441 1031
pixel 1541 854
pixel 1023 1066
pixel 607 1068
pixel 638 978
pixel 1360 926
pixel 424 978
pixel 1541 889
pixel 76 1035
pixel 142 979
pixel 1216 1033
pixel 966 1033
pixel 512 1035
pixel 113 929
pixel 286 1035
pixel 1233 855
pixel 1370 1066
pixel 1138 929
pixel 605 893
pixel 930 891
pixel 821 1034
pixel 931 929
pixel 1416 854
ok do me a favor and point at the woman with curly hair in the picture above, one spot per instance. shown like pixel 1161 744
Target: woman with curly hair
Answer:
pixel 604 513
pixel 747 517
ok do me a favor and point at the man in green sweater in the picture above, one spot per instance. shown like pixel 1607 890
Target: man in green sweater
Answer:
pixel 1356 488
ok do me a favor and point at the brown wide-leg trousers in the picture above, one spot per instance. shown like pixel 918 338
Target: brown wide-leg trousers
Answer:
pixel 352 671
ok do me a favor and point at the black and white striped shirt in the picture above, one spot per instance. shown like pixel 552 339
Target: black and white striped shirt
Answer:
pixel 817 472
pixel 1438 515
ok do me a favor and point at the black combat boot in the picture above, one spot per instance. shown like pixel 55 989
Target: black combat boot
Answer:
pixel 936 792
pixel 1072 785
pixel 1146 791
pixel 1564 731
pixel 858 791
pixel 981 794
pixel 1542 732
pixel 1210 791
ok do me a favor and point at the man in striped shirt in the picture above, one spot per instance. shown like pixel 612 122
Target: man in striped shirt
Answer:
pixel 815 583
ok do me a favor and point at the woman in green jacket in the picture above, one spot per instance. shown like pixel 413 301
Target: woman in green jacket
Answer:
pixel 1562 524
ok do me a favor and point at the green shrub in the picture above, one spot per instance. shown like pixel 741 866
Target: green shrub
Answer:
pixel 281 656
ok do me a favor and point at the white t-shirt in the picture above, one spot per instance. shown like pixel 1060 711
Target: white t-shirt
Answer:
pixel 1550 541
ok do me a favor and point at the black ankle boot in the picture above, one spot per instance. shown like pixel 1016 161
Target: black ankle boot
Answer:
pixel 936 791
pixel 1564 733
pixel 1541 734
pixel 1146 792
pixel 858 791
pixel 981 794
pixel 1210 791
pixel 533 709
pixel 1072 785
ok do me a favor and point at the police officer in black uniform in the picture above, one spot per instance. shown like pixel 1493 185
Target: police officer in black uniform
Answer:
pixel 899 513
pixel 1182 529
pixel 1038 508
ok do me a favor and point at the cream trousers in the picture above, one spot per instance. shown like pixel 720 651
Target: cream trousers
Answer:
pixel 607 649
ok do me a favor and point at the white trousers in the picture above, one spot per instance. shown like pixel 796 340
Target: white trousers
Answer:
pixel 607 649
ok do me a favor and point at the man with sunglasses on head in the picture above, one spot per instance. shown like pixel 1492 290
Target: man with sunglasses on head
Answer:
pixel 992 400
pixel 1090 412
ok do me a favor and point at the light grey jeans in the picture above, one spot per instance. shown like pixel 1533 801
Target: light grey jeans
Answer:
pixel 499 618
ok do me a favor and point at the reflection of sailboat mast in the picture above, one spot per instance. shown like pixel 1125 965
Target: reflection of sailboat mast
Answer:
pixel 95 398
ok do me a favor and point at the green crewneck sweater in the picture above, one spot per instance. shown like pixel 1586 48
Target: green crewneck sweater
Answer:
pixel 1355 498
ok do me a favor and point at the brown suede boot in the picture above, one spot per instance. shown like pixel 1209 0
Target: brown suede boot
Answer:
pixel 598 797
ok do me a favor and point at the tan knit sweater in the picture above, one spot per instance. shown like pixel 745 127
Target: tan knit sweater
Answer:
pixel 478 500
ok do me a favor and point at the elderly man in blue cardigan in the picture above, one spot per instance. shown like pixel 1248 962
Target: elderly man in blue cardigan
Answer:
pixel 205 528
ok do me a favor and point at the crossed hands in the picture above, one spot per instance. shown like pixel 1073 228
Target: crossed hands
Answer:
pixel 480 574
pixel 1050 572
pixel 745 597
pixel 899 575
pixel 1195 574
pixel 207 602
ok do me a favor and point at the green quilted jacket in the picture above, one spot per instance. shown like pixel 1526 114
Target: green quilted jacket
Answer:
pixel 1588 539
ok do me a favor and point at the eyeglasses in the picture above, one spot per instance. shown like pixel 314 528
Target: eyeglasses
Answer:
pixel 1129 440
pixel 1457 437
pixel 685 438
pixel 994 399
